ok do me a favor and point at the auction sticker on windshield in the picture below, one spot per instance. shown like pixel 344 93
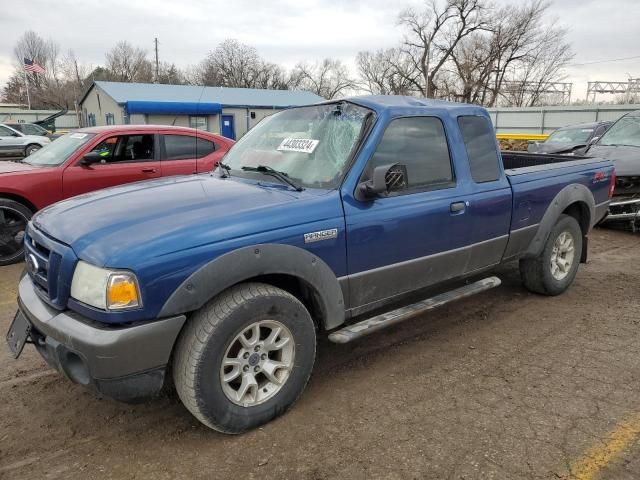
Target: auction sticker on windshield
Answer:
pixel 302 145
pixel 78 135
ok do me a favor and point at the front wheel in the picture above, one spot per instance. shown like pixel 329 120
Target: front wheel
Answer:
pixel 14 218
pixel 31 149
pixel 554 270
pixel 245 357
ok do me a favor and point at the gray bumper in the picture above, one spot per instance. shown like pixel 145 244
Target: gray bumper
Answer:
pixel 126 363
pixel 624 210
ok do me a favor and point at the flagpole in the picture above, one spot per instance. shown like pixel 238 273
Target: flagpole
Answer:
pixel 26 83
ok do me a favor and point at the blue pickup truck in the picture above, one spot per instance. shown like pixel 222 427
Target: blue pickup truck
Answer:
pixel 334 219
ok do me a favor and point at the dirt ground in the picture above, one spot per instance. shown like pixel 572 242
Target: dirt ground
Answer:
pixel 504 385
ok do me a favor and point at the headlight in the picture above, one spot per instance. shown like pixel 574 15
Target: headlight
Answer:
pixel 105 289
pixel 46 140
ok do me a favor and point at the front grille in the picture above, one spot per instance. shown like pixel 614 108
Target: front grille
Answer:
pixel 44 260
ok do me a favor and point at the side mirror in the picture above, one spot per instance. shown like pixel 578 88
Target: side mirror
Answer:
pixel 91 158
pixel 385 179
pixel 15 134
pixel 593 140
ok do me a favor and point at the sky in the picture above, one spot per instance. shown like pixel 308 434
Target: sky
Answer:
pixel 289 31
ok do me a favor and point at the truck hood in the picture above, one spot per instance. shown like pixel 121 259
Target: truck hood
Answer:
pixel 544 147
pixel 150 219
pixel 626 159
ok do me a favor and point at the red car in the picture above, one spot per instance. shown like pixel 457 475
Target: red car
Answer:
pixel 93 158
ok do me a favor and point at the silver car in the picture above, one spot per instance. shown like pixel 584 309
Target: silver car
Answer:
pixel 16 144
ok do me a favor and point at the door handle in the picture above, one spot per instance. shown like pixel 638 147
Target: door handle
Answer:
pixel 458 208
pixel 149 170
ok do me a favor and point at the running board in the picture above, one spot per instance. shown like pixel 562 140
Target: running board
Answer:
pixel 373 324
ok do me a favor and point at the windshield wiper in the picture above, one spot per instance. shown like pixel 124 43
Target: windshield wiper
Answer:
pixel 282 176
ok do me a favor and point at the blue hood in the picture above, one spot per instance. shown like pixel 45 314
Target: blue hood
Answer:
pixel 124 226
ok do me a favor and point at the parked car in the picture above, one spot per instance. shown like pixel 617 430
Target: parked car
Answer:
pixel 621 145
pixel 32 129
pixel 94 158
pixel 14 143
pixel 570 139
pixel 323 219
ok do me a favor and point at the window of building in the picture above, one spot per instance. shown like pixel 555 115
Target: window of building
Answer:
pixel 200 123
pixel 421 144
pixel 91 120
pixel 480 142
pixel 110 118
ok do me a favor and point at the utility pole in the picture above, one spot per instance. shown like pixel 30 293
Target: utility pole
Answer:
pixel 156 44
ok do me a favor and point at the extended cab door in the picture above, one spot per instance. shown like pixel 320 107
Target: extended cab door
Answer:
pixel 422 235
pixel 127 158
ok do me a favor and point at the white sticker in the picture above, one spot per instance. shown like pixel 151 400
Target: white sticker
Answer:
pixel 78 135
pixel 226 123
pixel 302 145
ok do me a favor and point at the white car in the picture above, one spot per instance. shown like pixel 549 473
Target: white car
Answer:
pixel 16 144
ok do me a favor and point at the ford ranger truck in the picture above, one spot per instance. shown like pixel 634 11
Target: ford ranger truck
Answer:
pixel 322 221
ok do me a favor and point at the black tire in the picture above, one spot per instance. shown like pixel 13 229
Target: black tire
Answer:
pixel 31 148
pixel 536 273
pixel 13 216
pixel 202 344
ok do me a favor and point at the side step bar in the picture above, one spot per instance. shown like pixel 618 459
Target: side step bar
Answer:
pixel 373 324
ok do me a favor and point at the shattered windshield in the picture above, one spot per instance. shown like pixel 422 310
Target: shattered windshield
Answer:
pixel 625 131
pixel 310 145
pixel 570 135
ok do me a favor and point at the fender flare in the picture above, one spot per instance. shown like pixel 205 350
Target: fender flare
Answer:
pixel 573 193
pixel 253 261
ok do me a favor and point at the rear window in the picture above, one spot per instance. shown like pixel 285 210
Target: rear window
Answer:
pixel 480 144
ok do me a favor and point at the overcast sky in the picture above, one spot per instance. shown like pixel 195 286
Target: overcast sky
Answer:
pixel 287 31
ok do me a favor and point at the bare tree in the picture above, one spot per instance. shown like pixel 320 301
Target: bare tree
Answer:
pixel 433 33
pixel 388 72
pixel 127 63
pixel 329 78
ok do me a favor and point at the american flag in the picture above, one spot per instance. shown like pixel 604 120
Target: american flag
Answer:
pixel 31 66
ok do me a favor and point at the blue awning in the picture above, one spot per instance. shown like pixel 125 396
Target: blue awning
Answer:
pixel 173 108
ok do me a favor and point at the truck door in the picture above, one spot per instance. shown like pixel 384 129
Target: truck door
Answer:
pixel 419 236
pixel 489 198
pixel 126 158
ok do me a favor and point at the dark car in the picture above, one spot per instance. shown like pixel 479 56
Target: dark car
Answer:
pixel 621 144
pixel 571 138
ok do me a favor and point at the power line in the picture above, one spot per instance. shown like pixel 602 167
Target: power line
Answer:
pixel 603 61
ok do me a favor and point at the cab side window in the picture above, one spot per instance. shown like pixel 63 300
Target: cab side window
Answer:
pixel 5 132
pixel 480 143
pixel 126 148
pixel 420 144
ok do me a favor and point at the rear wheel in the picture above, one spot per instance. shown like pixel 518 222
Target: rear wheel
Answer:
pixel 554 270
pixel 31 149
pixel 14 218
pixel 245 357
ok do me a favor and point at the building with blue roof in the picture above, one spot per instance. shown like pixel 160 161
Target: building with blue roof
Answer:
pixel 228 111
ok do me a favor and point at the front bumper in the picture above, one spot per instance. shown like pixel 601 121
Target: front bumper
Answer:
pixel 624 210
pixel 126 363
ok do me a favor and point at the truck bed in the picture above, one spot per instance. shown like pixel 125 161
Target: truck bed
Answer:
pixel 512 160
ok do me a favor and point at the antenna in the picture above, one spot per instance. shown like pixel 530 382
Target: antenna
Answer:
pixel 155 41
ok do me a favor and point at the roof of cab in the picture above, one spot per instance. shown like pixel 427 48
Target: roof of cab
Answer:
pixel 385 102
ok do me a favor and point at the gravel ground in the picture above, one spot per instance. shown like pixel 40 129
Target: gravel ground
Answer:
pixel 502 385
